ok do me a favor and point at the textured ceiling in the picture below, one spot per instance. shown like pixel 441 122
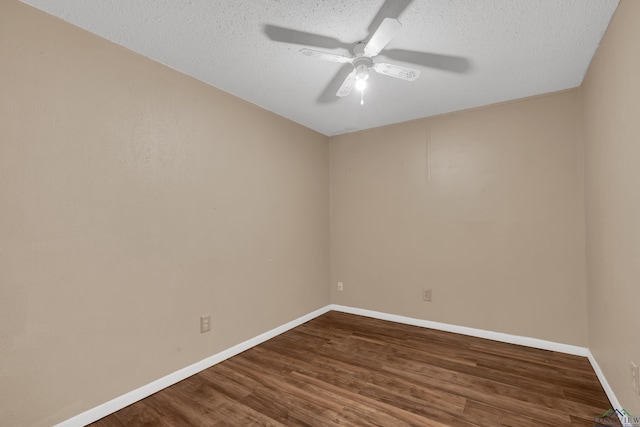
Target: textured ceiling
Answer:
pixel 502 49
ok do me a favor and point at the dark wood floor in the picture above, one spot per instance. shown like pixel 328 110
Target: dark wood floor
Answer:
pixel 341 369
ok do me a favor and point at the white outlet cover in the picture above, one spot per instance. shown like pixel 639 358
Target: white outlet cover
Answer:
pixel 205 324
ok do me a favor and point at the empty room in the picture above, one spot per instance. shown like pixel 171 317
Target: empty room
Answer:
pixel 278 212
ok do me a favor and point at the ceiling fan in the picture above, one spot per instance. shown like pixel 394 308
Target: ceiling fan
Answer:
pixel 361 62
pixel 362 59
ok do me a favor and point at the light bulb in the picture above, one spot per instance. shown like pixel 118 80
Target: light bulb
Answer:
pixel 362 75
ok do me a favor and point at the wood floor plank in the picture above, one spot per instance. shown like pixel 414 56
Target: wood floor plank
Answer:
pixel 345 370
pixel 490 416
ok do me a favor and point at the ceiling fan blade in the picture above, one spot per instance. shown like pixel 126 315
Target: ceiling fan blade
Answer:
pixel 390 9
pixel 397 71
pixel 383 35
pixel 328 94
pixel 347 85
pixel 456 64
pixel 287 35
pixel 325 56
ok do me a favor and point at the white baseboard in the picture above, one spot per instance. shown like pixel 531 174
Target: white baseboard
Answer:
pixel 615 404
pixel 463 330
pixel 127 399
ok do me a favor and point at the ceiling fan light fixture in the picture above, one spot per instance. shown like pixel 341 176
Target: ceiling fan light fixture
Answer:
pixel 361 84
pixel 362 75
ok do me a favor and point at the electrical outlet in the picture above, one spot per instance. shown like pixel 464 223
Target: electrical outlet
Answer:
pixel 340 286
pixel 635 378
pixel 205 323
pixel 426 295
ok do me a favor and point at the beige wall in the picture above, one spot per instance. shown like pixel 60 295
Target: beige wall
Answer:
pixel 484 206
pixel 612 129
pixel 134 199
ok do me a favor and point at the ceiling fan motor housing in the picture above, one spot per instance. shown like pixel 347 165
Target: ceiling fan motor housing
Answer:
pixel 358 50
pixel 362 66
